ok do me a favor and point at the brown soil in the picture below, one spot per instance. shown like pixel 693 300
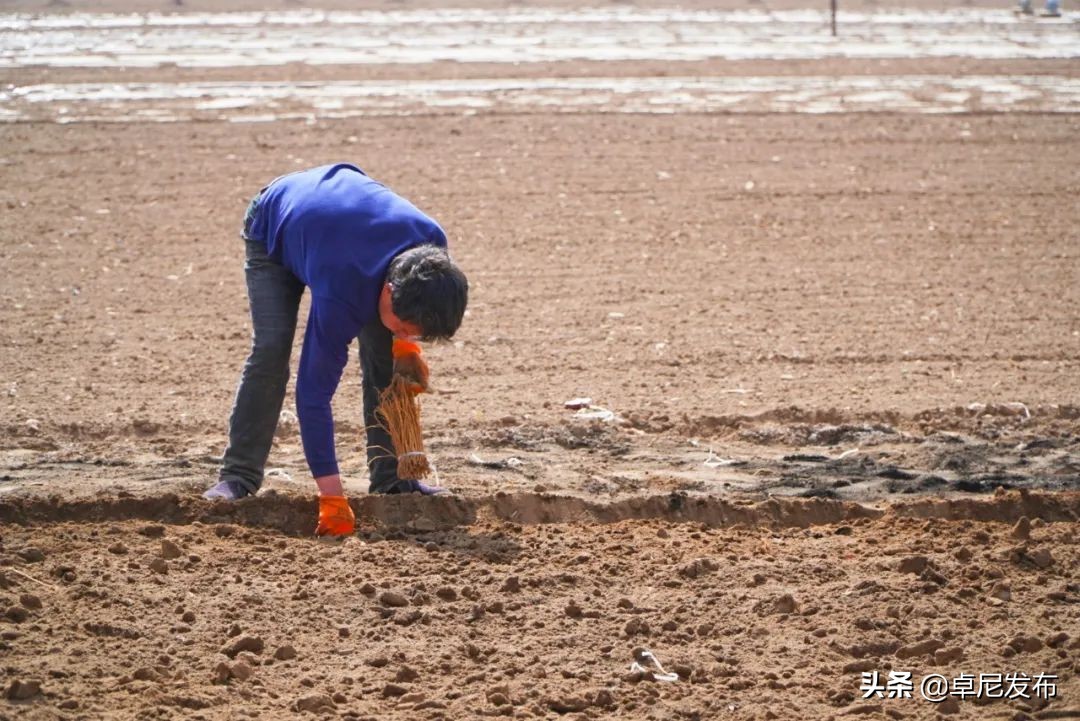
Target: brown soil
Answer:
pixel 902 287
pixel 876 312
pixel 764 611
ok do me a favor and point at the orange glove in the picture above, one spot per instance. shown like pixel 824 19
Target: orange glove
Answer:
pixel 335 517
pixel 409 363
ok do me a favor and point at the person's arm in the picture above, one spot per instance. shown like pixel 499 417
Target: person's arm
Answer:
pixel 325 352
pixel 330 485
pixel 330 330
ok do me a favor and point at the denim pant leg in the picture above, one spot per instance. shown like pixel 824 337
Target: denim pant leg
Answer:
pixel 274 293
pixel 377 365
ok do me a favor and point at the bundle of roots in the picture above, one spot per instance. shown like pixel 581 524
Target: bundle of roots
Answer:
pixel 399 414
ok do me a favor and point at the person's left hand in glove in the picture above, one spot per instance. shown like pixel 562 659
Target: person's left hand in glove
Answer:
pixel 336 518
pixel 410 364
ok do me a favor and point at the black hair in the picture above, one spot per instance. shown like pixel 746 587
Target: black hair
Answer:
pixel 428 289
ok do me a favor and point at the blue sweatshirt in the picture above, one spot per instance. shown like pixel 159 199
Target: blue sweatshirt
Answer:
pixel 337 230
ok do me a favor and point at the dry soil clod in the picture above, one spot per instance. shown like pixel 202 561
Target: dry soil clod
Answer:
pixel 393 599
pixel 16 614
pixel 253 644
pixel 315 703
pixel 30 601
pixel 1022 530
pixel 169 550
pixel 20 690
pixel 32 554
pixel 393 690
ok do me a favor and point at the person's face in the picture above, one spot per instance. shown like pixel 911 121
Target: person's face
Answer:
pixel 400 328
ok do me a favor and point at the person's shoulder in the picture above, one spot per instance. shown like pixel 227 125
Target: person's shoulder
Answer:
pixel 321 173
pixel 333 168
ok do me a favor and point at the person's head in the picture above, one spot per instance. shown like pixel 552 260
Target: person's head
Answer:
pixel 424 296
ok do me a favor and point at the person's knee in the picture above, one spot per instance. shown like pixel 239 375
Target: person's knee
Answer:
pixel 272 349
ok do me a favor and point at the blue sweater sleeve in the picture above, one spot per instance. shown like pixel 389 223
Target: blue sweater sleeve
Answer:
pixel 330 330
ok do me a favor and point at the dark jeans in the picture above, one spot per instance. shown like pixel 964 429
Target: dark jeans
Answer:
pixel 274 294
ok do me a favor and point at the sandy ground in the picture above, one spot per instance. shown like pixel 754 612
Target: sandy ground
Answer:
pixel 903 288
pixel 758 616
pixel 839 354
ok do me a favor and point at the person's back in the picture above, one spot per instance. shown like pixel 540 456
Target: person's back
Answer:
pixel 337 230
